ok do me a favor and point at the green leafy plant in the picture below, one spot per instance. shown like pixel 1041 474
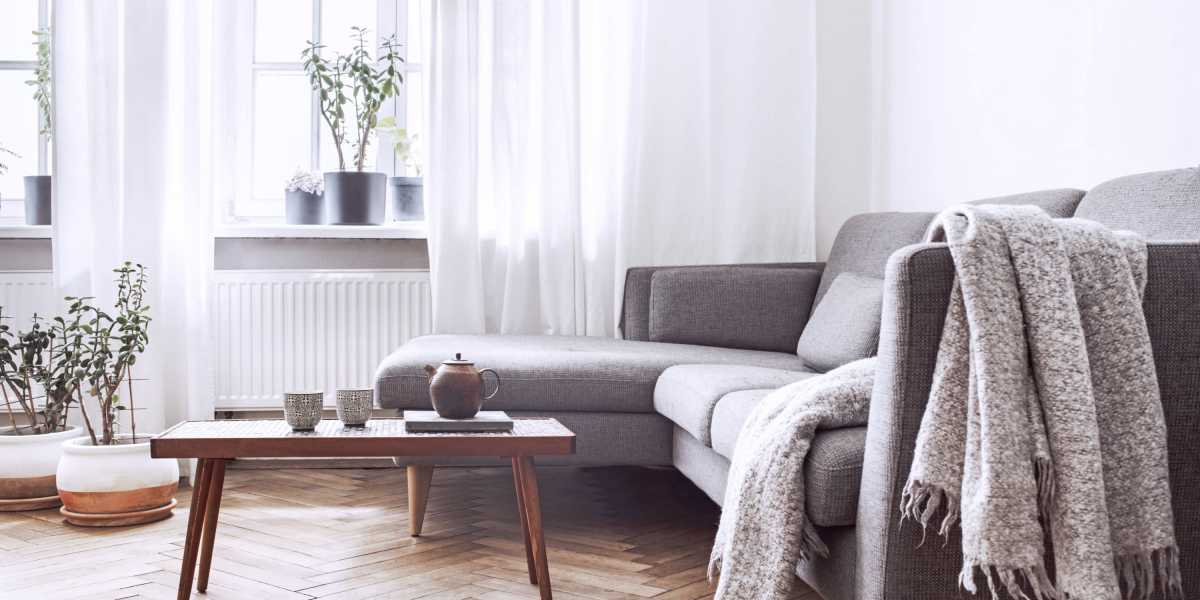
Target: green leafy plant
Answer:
pixel 357 80
pixel 5 151
pixel 39 364
pixel 42 81
pixel 404 145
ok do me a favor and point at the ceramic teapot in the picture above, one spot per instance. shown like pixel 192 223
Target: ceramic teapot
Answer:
pixel 456 388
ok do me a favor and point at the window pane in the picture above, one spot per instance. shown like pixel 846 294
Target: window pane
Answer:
pixel 415 118
pixel 281 28
pixel 18 20
pixel 282 130
pixel 338 17
pixel 417 10
pixel 18 132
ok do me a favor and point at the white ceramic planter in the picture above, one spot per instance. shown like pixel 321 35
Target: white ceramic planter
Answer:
pixel 28 464
pixel 115 485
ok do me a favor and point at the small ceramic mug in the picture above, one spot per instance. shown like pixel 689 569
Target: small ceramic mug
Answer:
pixel 354 406
pixel 302 410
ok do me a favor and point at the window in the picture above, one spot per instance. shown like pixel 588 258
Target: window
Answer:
pixel 19 116
pixel 285 123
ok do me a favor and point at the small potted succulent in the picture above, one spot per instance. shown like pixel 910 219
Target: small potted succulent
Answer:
pixel 358 84
pixel 39 380
pixel 108 478
pixel 407 203
pixel 38 187
pixel 305 199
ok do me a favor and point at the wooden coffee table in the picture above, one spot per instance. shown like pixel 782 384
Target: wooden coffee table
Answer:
pixel 215 443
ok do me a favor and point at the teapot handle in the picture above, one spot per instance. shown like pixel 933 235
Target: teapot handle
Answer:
pixel 494 374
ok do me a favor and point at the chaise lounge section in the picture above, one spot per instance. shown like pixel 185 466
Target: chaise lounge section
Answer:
pixel 704 344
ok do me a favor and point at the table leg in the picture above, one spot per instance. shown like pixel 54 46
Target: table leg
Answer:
pixel 533 513
pixel 191 544
pixel 420 477
pixel 516 469
pixel 216 487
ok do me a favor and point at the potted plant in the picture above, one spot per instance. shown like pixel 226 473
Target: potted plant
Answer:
pixel 37 187
pixel 38 379
pixel 304 199
pixel 107 477
pixel 358 81
pixel 407 204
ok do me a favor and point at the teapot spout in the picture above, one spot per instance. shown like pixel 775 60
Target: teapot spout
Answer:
pixel 430 370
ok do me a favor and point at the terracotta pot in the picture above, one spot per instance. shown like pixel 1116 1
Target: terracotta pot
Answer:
pixel 104 486
pixel 27 467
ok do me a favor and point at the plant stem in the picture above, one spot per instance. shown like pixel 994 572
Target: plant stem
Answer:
pixel 8 406
pixel 132 419
pixel 87 423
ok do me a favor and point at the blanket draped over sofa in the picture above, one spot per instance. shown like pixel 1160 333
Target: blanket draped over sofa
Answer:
pixel 1044 422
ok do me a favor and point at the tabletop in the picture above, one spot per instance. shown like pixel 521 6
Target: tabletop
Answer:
pixel 236 438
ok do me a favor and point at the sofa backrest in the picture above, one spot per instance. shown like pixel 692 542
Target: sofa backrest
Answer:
pixel 1060 203
pixel 865 242
pixel 1163 205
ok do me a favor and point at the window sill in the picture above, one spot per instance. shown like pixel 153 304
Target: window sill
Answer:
pixel 399 230
pixel 26 231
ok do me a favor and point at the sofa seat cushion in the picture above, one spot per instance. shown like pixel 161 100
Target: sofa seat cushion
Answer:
pixel 832 470
pixel 555 373
pixel 687 394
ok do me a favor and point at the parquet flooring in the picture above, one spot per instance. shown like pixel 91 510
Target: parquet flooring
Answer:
pixel 342 534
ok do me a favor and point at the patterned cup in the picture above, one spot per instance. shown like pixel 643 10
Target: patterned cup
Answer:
pixel 302 410
pixel 354 406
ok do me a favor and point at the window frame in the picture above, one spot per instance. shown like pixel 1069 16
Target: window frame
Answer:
pixel 7 218
pixel 392 18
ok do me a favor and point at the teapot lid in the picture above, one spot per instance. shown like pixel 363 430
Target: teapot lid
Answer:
pixel 458 360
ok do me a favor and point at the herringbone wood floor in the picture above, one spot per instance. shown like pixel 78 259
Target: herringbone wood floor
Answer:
pixel 343 534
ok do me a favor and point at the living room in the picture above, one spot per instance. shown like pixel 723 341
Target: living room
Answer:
pixel 830 299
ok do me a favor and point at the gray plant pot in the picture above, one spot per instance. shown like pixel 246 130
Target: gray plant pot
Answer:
pixel 304 208
pixel 37 200
pixel 407 201
pixel 355 198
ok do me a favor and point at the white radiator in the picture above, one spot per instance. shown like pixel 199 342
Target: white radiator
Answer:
pixel 23 293
pixel 283 331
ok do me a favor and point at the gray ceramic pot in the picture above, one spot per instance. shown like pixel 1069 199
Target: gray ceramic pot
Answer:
pixel 304 208
pixel 355 198
pixel 37 200
pixel 302 410
pixel 407 201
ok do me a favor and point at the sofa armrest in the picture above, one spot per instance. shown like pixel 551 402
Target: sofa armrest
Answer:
pixel 635 307
pixel 917 287
pixel 916 293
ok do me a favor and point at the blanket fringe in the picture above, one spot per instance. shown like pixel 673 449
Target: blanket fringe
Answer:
pixel 1142 573
pixel 920 502
pixel 1009 579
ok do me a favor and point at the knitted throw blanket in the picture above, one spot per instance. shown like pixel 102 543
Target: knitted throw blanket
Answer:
pixel 1044 420
pixel 764 528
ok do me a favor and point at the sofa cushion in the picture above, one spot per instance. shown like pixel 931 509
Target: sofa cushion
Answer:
pixel 864 243
pixel 845 325
pixel 556 373
pixel 1164 205
pixel 832 470
pixel 745 307
pixel 1059 204
pixel 687 394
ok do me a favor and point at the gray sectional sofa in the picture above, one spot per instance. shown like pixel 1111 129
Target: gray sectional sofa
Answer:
pixel 703 344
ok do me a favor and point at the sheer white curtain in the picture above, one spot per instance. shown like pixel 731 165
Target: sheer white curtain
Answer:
pixel 572 139
pixel 137 129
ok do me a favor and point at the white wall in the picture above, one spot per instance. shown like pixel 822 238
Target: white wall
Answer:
pixel 981 98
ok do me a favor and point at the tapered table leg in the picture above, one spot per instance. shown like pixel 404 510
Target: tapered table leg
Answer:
pixel 516 469
pixel 191 544
pixel 216 486
pixel 420 477
pixel 533 514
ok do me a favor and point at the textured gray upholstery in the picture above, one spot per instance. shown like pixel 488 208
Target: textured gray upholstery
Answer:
pixel 687 394
pixel 832 470
pixel 865 242
pixel 845 325
pixel 751 308
pixel 556 373
pixel 1164 205
pixel 635 307
pixel 1059 203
